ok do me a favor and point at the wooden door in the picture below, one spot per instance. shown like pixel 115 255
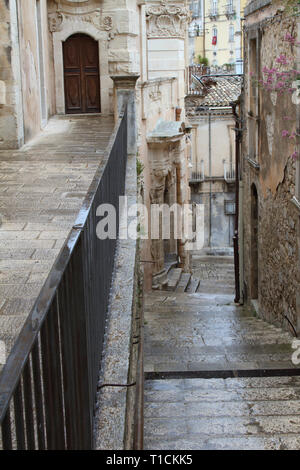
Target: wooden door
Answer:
pixel 81 74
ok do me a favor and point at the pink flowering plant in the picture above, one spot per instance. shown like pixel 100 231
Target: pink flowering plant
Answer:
pixel 284 79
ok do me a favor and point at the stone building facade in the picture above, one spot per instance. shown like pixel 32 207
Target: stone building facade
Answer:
pixel 212 178
pixel 269 187
pixel 87 56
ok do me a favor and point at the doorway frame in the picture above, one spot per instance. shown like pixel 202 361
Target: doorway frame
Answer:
pixel 83 37
pixel 59 37
pixel 254 254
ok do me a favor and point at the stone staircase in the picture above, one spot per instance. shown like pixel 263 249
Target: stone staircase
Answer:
pixel 178 281
pixel 209 273
pixel 216 376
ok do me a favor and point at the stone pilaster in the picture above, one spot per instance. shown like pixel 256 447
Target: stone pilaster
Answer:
pixel 125 92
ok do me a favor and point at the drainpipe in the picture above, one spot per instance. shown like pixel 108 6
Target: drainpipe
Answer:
pixel 210 173
pixel 203 44
pixel 238 131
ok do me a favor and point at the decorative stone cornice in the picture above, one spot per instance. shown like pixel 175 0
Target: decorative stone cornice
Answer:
pixel 124 82
pixel 255 5
pixel 71 2
pixel 58 19
pixel 167 20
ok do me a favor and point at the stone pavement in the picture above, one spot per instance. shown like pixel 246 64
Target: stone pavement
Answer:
pixel 42 187
pixel 197 346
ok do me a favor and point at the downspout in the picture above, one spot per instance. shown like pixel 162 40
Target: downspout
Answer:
pixel 238 131
pixel 203 44
pixel 210 174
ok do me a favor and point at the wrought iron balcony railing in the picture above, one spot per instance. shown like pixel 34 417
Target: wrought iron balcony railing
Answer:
pixel 230 11
pixel 197 173
pixel 229 172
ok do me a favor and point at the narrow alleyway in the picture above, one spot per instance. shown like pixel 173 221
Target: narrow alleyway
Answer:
pixel 197 346
pixel 42 188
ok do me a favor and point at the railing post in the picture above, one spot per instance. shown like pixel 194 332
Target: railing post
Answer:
pixel 124 93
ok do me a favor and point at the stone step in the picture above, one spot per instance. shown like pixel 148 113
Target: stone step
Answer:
pixel 217 290
pixel 183 282
pixel 193 285
pixel 223 260
pixel 173 279
pixel 170 262
pixel 235 413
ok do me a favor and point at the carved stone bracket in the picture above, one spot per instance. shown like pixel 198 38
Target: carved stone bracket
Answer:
pixel 167 20
pixel 58 19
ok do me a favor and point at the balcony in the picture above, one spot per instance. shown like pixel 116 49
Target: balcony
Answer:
pixel 229 172
pixel 230 11
pixel 213 13
pixel 197 173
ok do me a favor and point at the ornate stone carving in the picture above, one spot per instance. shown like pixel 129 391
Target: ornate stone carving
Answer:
pixel 167 21
pixel 155 94
pixel 55 21
pixel 107 23
pixel 59 18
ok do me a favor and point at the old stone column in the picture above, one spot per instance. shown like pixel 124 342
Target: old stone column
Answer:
pixel 124 92
pixel 159 275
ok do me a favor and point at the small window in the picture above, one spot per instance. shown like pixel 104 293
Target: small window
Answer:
pixel 231 33
pixel 215 6
pixel 229 207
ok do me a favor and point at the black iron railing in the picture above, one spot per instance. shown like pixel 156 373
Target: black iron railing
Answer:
pixel 48 386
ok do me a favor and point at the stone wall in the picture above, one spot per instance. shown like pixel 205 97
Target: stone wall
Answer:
pixel 274 180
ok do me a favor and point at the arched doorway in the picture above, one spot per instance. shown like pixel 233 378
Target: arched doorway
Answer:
pixel 254 242
pixel 81 74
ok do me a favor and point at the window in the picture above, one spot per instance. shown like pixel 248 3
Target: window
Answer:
pixel 214 7
pixel 214 36
pixel 195 8
pixel 229 207
pixel 253 98
pixel 230 5
pixel 231 33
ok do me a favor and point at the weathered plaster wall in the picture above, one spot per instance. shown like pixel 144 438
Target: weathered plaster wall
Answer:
pixel 167 34
pixel 29 68
pixel 278 218
pixel 222 142
pixel 36 61
pixel 11 125
pixel 222 225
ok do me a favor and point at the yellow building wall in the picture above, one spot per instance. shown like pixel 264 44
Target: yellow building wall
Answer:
pixel 222 23
pixel 199 47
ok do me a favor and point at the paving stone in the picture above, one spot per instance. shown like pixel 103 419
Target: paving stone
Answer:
pixel 17 307
pixel 42 188
pixel 205 332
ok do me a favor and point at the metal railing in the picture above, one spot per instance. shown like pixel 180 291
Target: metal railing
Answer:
pixel 197 173
pixel 230 10
pixel 49 384
pixel 194 71
pixel 213 12
pixel 229 172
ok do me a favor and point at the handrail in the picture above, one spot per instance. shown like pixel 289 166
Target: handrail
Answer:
pixel 72 253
